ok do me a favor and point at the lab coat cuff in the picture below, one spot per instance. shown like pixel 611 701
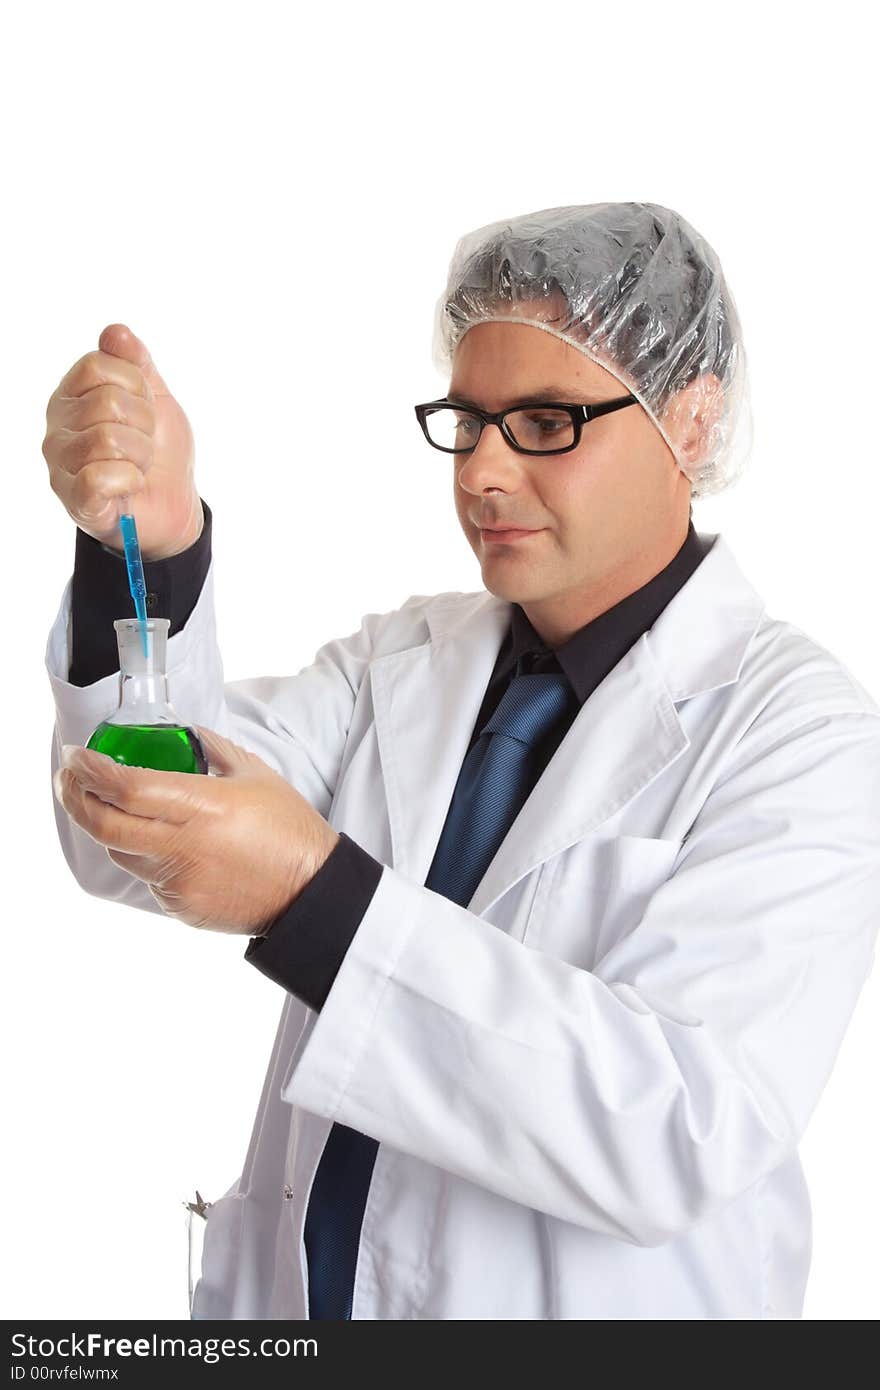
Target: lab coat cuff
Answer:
pixel 318 1077
pixel 100 594
pixel 305 946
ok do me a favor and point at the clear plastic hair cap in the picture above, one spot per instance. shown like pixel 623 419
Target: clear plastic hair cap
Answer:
pixel 637 289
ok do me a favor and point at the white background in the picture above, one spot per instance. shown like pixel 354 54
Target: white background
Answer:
pixel 270 200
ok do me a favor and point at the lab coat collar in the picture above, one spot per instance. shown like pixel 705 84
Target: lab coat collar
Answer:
pixel 590 653
pixel 426 699
pixel 698 641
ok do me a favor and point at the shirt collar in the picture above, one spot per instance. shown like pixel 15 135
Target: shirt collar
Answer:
pixel 595 649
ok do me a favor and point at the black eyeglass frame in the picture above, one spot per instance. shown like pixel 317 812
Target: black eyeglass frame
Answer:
pixel 580 415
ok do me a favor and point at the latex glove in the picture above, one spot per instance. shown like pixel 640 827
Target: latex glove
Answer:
pixel 227 852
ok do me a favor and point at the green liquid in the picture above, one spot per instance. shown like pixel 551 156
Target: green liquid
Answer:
pixel 166 747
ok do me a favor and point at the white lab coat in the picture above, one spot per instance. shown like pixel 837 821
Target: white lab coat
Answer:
pixel 589 1084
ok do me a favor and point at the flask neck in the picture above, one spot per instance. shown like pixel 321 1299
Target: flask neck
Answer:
pixel 143 698
pixel 143 685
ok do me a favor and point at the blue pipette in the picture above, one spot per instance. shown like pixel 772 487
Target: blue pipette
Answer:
pixel 134 565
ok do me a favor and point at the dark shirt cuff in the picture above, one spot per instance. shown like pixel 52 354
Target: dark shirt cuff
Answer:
pixel 304 947
pixel 100 595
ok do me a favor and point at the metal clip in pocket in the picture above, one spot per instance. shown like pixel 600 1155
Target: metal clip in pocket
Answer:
pixel 197 1208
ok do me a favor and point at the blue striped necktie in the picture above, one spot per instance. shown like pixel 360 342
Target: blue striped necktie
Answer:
pixel 494 782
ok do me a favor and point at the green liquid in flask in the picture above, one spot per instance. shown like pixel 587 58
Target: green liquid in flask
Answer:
pixel 165 747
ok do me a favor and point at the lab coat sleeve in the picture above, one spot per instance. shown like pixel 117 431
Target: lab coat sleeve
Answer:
pixel 297 723
pixel 100 593
pixel 641 1097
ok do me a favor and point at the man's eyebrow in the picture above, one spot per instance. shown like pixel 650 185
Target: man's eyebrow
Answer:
pixel 540 394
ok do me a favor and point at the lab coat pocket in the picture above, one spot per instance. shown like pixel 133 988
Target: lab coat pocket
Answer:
pixel 637 868
pixel 597 893
pixel 213 1245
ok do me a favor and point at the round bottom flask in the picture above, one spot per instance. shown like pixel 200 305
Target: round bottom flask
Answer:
pixel 145 731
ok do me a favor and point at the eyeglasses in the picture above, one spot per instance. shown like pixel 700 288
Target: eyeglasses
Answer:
pixel 541 428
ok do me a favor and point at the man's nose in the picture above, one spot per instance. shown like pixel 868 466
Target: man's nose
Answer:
pixel 491 463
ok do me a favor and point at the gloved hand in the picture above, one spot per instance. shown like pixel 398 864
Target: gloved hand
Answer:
pixel 227 852
pixel 114 429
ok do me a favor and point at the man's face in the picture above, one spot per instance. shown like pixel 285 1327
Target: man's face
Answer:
pixel 598 515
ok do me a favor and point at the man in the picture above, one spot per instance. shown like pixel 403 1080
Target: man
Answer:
pixel 571 881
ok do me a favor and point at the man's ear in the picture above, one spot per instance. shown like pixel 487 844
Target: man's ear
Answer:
pixel 692 415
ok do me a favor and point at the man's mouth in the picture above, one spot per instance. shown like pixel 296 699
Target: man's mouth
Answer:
pixel 498 535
